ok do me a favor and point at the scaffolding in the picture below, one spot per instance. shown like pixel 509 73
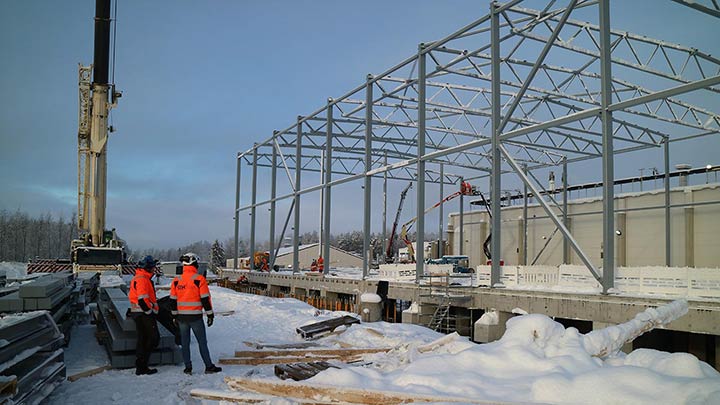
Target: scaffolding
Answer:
pixel 515 91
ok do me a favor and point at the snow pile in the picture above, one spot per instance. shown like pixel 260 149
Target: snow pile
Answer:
pixel 370 298
pixel 488 318
pixel 536 360
pixel 13 270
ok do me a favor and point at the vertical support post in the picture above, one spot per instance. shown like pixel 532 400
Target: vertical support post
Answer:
pixel 253 209
pixel 566 245
pixel 384 220
pixel 237 212
pixel 273 195
pixel 461 236
pixel 440 213
pixel 321 216
pixel 608 158
pixel 496 173
pixel 298 169
pixel 668 246
pixel 525 221
pixel 368 178
pixel 420 230
pixel 328 180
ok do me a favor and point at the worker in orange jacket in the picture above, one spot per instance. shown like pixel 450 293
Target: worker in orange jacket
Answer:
pixel 320 264
pixel 143 310
pixel 189 295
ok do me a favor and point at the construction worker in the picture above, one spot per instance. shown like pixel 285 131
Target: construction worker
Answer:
pixel 143 310
pixel 189 295
pixel 320 264
pixel 313 265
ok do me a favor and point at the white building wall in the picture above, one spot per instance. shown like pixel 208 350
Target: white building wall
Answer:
pixel 695 232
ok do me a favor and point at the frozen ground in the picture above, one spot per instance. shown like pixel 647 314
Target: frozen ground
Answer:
pixel 537 360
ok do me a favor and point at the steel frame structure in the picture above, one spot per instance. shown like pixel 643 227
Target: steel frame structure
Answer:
pixel 512 92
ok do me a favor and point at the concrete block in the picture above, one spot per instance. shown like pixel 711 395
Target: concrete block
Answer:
pixel 11 303
pixel 54 300
pixel 490 333
pixel 42 287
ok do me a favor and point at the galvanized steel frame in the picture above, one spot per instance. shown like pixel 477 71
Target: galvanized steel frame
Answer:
pixel 474 101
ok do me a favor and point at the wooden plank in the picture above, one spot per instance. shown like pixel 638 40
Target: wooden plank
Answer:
pixel 283 360
pixel 88 373
pixel 8 386
pixel 310 352
pixel 260 345
pixel 338 394
pixel 244 397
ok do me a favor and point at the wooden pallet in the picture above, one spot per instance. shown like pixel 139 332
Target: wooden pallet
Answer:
pixel 301 371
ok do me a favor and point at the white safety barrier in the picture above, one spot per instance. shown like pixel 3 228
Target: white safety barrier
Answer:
pixel 406 271
pixel 673 281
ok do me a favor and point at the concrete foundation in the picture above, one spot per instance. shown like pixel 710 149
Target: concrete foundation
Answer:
pixel 491 333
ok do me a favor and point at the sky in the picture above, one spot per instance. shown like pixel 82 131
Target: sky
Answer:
pixel 204 80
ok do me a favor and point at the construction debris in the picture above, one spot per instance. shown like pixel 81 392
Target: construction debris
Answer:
pixel 88 373
pixel 31 357
pixel 301 371
pixel 315 329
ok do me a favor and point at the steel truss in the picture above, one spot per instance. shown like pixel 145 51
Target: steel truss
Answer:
pixel 514 91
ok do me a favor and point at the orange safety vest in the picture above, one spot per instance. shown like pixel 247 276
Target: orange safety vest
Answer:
pixel 321 264
pixel 188 290
pixel 141 288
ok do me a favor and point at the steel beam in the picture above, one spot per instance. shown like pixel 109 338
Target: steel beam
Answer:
pixel 420 230
pixel 367 256
pixel 552 215
pixel 495 177
pixel 668 246
pixel 440 212
pixel 608 157
pixel 273 194
pixel 328 180
pixel 237 211
pixel 298 187
pixel 253 210
pixel 566 246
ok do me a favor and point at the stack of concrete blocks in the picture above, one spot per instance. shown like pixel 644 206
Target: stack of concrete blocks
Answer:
pixel 31 357
pixel 3 278
pixel 120 336
pixel 50 292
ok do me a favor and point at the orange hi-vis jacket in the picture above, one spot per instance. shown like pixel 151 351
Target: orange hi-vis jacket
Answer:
pixel 191 293
pixel 321 264
pixel 142 293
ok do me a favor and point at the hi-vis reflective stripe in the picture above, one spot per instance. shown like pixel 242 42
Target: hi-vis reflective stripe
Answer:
pixel 189 311
pixel 204 295
pixel 173 297
pixel 189 304
pixel 143 296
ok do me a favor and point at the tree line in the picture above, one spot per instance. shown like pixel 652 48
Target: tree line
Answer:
pixel 23 238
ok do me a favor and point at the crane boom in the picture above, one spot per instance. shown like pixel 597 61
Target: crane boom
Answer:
pixel 96 246
pixel 465 189
pixel 389 251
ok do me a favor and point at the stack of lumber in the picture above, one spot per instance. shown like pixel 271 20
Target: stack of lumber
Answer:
pixel 320 328
pixel 31 357
pixel 116 330
pixel 288 356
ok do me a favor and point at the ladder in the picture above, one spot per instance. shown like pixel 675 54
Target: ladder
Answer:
pixel 441 313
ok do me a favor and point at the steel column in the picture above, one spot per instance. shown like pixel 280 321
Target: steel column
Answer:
pixel 525 220
pixel 566 246
pixel 495 175
pixel 328 179
pixel 298 170
pixel 608 159
pixel 420 230
pixel 237 212
pixel 462 221
pixel 440 213
pixel 253 210
pixel 668 246
pixel 273 194
pixel 384 220
pixel 368 178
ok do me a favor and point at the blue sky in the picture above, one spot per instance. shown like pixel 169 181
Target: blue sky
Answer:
pixel 203 80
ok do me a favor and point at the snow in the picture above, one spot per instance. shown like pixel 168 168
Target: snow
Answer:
pixel 537 360
pixel 488 318
pixel 370 298
pixel 13 270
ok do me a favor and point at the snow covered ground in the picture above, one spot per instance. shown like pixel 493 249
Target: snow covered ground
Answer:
pixel 537 360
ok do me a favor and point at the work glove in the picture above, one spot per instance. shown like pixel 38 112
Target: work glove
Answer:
pixel 175 322
pixel 211 319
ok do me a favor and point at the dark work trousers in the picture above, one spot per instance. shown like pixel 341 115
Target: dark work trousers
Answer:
pixel 198 328
pixel 148 338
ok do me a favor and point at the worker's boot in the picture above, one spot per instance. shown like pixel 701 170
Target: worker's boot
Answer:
pixel 145 371
pixel 188 370
pixel 212 369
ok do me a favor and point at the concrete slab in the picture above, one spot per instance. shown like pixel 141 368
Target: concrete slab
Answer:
pixel 42 287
